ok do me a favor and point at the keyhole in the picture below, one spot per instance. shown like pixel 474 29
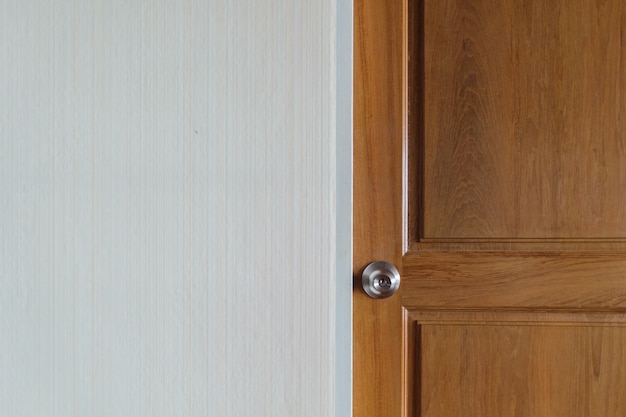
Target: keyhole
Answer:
pixel 384 282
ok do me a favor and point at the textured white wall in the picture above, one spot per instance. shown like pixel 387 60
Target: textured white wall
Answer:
pixel 167 208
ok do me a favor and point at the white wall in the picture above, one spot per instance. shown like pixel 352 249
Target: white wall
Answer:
pixel 168 212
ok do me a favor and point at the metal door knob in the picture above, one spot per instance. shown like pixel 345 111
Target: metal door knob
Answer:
pixel 380 279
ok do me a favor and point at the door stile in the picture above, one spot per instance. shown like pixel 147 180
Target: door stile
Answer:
pixel 378 203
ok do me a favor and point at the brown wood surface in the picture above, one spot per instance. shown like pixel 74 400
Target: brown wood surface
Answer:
pixel 490 167
pixel 377 329
pixel 525 119
pixel 488 280
pixel 522 370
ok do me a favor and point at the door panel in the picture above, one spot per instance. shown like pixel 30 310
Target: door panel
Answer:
pixel 510 369
pixel 524 119
pixel 490 166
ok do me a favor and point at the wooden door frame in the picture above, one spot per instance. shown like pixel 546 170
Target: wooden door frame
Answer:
pixel 379 203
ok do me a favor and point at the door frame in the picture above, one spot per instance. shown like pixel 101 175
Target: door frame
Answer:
pixel 343 193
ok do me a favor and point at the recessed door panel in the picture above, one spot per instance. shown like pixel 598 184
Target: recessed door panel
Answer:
pixel 521 369
pixel 524 119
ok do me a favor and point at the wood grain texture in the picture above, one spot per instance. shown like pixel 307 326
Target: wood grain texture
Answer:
pixel 511 317
pixel 502 362
pixel 501 371
pixel 506 280
pixel 524 107
pixel 167 208
pixel 378 138
pixel 521 245
pixel 514 285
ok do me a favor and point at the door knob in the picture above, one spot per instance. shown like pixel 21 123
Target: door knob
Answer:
pixel 380 279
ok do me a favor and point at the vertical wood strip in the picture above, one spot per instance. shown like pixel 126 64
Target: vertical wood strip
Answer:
pixel 378 140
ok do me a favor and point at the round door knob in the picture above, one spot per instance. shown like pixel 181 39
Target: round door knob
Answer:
pixel 380 279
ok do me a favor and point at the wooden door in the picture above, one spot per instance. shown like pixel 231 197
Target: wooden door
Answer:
pixel 490 167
